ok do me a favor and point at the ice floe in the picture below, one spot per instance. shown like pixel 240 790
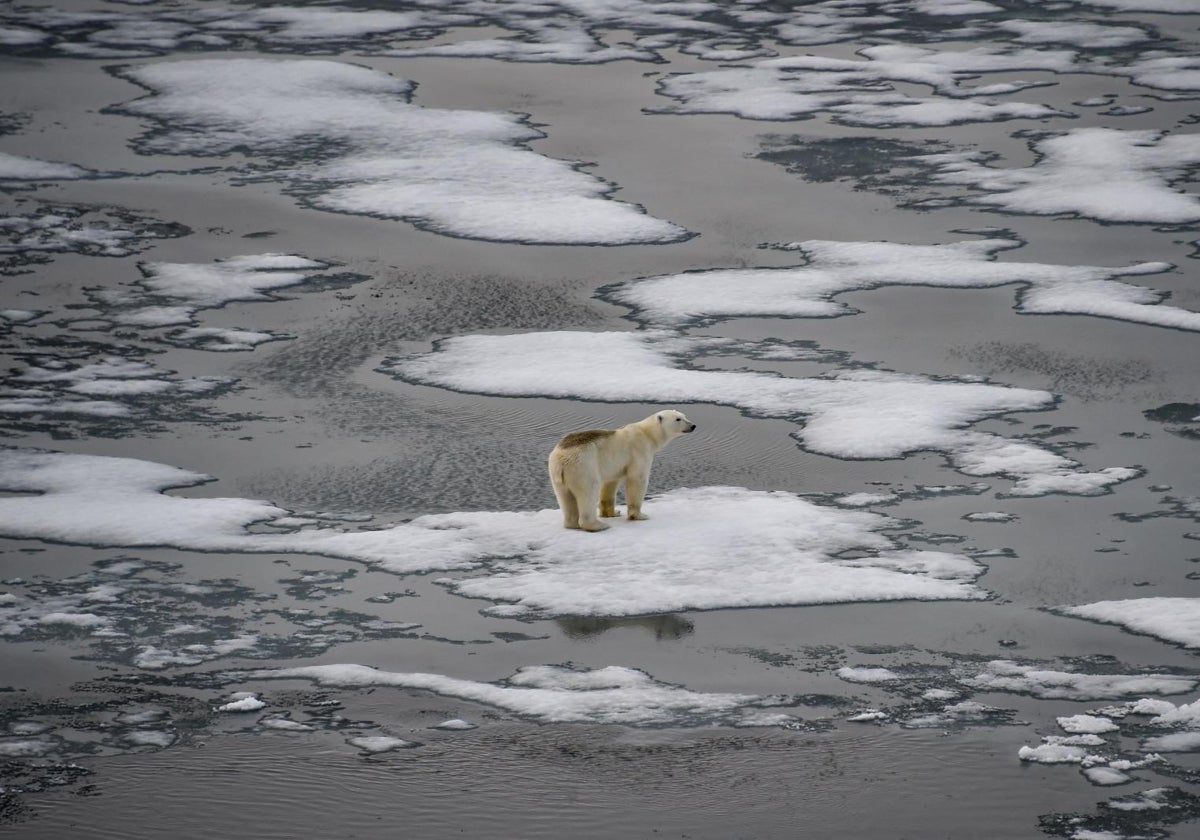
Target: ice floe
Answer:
pixel 556 694
pixel 863 674
pixel 796 552
pixel 562 31
pixel 17 168
pixel 848 414
pixel 1106 174
pixel 1006 675
pixel 107 232
pixel 242 702
pixel 1175 620
pixel 863 93
pixel 347 138
pixel 833 268
pixel 170 295
pixel 374 744
pixel 106 386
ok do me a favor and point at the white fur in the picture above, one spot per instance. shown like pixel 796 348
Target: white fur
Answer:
pixel 587 467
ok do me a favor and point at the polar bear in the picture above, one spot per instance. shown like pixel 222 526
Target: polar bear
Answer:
pixel 586 467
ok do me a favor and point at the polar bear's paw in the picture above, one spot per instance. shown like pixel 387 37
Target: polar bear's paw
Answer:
pixel 593 526
pixel 633 517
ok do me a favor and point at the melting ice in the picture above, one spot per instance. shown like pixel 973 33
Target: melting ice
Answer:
pixel 347 138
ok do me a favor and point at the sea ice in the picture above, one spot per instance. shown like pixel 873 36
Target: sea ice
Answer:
pixel 149 738
pixel 1005 675
pixel 1174 620
pixel 555 694
pixel 349 140
pixel 833 268
pixel 1099 173
pixel 17 168
pixel 373 744
pixel 1053 754
pixel 680 559
pixel 862 674
pixel 243 702
pixel 863 93
pixel 1174 742
pixel 1083 724
pixel 855 413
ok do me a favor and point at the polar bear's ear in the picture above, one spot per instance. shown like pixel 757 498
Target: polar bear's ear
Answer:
pixel 659 416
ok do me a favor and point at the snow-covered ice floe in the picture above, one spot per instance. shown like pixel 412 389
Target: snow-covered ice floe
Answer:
pixel 833 268
pixel 347 138
pixel 1009 676
pixel 704 548
pixel 862 92
pixel 1175 620
pixel 1104 174
pixel 849 414
pixel 556 694
pixel 19 168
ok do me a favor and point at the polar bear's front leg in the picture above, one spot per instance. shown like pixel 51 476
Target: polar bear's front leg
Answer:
pixel 635 493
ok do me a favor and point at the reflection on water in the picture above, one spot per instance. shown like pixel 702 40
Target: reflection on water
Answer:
pixel 661 626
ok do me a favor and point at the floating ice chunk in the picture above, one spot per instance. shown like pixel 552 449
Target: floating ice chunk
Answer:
pixel 554 694
pixel 243 278
pixel 989 516
pixel 868 716
pixel 11 36
pixel 55 232
pixel 866 499
pixel 141 718
pixel 348 138
pixel 373 744
pixel 862 93
pixel 1075 33
pixel 280 723
pixel 17 168
pixel 850 414
pixel 243 702
pixel 221 339
pixel 1171 619
pixel 1005 675
pixel 834 268
pixel 963 713
pixel 455 724
pixel 1099 173
pixel 1053 754
pixel 1174 742
pixel 1106 776
pixel 862 674
pixel 149 738
pixel 1147 800
pixel 1082 724
pixel 80 620
pixel 27 747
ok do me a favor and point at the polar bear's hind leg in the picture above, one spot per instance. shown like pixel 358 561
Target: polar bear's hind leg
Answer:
pixel 608 499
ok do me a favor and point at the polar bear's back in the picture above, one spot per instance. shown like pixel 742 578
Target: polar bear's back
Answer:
pixel 584 438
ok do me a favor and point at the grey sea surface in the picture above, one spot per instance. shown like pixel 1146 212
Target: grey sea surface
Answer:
pixel 121 733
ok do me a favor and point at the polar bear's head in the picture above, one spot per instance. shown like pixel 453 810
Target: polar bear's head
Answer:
pixel 674 423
